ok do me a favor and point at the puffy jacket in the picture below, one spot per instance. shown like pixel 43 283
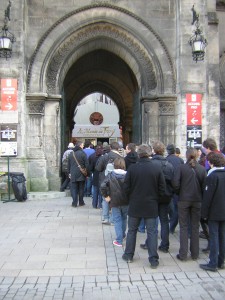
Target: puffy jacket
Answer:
pixel 112 186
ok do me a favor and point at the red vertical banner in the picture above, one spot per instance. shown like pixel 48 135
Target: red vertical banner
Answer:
pixel 194 109
pixel 9 94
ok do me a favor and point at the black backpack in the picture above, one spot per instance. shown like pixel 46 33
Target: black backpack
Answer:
pixel 168 175
pixel 65 165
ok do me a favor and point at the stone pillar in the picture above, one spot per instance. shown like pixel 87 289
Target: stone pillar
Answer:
pixel 158 119
pixel 35 137
pixel 43 142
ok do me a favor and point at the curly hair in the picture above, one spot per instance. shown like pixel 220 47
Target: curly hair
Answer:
pixel 216 159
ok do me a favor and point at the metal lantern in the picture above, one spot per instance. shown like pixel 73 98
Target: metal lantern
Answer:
pixel 197 42
pixel 6 37
pixel 6 41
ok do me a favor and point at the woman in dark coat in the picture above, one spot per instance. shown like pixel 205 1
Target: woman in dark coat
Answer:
pixel 188 182
pixel 77 179
pixel 213 210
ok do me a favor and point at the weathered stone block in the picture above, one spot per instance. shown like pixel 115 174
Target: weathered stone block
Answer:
pixel 39 184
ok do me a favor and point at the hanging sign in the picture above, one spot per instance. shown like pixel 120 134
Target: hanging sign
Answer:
pixel 194 120
pixel 9 94
pixel 8 140
pixel 194 109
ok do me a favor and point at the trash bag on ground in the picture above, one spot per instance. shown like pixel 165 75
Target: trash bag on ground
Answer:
pixel 19 186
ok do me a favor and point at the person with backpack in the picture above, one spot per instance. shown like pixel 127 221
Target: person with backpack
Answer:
pixel 188 183
pixel 164 201
pixel 104 165
pixel 65 167
pixel 112 191
pixel 77 162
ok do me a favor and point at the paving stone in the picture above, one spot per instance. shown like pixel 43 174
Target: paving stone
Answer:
pixel 117 280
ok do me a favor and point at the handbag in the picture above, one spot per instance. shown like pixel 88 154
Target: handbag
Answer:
pixel 83 170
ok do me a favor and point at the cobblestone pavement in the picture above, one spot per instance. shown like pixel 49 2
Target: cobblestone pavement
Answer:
pixel 50 250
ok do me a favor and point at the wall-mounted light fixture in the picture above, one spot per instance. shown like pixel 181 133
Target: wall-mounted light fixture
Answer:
pixel 6 37
pixel 197 41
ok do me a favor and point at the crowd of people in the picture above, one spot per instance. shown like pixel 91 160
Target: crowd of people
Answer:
pixel 142 185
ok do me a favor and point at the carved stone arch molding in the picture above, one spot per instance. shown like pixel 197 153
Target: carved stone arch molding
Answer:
pixel 102 26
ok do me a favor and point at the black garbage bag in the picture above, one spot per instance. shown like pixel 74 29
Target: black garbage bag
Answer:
pixel 19 186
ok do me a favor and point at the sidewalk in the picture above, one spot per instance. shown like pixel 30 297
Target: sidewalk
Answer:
pixel 50 250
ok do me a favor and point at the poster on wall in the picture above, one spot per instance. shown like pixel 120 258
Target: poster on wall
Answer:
pixel 194 120
pixel 8 95
pixel 8 140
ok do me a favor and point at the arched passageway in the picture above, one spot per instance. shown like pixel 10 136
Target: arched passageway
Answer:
pixel 104 72
pixel 98 48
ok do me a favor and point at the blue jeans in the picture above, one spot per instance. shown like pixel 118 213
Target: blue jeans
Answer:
pixel 88 185
pixel 152 237
pixel 173 212
pixel 217 243
pixel 105 211
pixel 77 192
pixel 120 221
pixel 97 197
pixel 141 227
pixel 164 222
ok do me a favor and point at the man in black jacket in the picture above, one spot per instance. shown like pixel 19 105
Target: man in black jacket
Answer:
pixel 77 179
pixel 168 172
pixel 144 185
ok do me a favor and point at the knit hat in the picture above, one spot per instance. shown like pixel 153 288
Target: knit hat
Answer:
pixel 170 149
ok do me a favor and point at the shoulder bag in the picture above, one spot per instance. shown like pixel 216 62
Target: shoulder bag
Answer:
pixel 83 170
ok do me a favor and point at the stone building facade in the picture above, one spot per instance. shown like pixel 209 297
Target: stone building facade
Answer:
pixel 136 52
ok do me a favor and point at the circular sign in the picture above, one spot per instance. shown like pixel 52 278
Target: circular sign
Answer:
pixel 96 118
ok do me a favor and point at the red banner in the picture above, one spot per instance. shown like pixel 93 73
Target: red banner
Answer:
pixel 9 94
pixel 194 109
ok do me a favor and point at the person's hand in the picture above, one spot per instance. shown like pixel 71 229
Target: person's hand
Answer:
pixel 107 199
pixel 69 175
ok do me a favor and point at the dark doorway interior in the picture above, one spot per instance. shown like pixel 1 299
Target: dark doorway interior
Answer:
pixel 102 140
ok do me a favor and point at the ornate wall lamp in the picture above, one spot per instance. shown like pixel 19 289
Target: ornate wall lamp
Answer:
pixel 197 41
pixel 6 37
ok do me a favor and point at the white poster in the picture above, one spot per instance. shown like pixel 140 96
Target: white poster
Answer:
pixel 8 148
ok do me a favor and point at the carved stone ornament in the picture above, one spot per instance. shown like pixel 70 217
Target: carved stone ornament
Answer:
pixel 36 108
pixel 96 118
pixel 103 31
pixel 166 108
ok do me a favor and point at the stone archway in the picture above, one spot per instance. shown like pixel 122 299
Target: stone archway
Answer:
pixel 118 34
